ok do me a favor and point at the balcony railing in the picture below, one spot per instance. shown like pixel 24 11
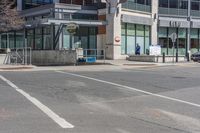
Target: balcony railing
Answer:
pixel 173 11
pixel 135 6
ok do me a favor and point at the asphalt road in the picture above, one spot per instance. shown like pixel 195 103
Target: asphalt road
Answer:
pixel 150 100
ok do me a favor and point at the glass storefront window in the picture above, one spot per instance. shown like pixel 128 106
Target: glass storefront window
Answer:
pixel 163 39
pixel 30 38
pixel 147 39
pixel 131 38
pixel 140 37
pixel 66 39
pixel 123 42
pixel 19 39
pixel 3 41
pixel 47 41
pixel 11 40
pixel 194 40
pixel 38 38
pixel 133 34
pixel 170 46
pixel 182 41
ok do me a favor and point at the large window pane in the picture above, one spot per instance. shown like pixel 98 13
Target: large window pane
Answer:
pixel 173 3
pixel 11 39
pixel 182 41
pixel 3 41
pixel 30 38
pixel 163 3
pixel 140 37
pixel 194 40
pixel 147 39
pixel 47 38
pixel 163 39
pixel 170 49
pixel 19 39
pixel 130 44
pixel 38 38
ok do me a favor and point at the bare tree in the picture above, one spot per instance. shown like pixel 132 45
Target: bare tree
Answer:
pixel 9 17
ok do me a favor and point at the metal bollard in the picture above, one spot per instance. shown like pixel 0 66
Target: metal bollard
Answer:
pixel 188 57
pixel 176 57
pixel 163 57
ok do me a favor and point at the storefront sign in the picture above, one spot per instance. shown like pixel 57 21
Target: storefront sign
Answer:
pixel 71 28
pixel 174 24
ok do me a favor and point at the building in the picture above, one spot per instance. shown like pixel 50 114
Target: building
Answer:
pixel 112 26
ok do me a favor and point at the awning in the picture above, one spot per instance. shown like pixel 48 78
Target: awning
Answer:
pixel 49 21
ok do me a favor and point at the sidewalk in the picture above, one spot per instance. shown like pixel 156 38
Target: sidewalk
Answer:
pixel 15 67
pixel 114 65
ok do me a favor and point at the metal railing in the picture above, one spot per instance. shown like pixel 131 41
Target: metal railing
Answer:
pixel 21 56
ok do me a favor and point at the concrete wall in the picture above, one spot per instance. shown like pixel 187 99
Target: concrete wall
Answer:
pixel 2 58
pixel 53 57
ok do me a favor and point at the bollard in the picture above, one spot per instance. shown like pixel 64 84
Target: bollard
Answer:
pixel 176 57
pixel 188 57
pixel 163 57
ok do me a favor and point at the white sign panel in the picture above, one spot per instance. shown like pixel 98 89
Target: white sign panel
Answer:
pixel 155 50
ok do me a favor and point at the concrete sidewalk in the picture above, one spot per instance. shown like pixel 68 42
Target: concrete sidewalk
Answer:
pixel 15 67
pixel 113 65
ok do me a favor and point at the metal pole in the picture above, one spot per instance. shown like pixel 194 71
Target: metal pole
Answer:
pixel 104 54
pixel 26 59
pixel 173 52
pixel 177 51
pixel 30 56
pixel 189 28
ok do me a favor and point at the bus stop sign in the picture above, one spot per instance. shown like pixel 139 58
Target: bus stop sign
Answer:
pixel 173 36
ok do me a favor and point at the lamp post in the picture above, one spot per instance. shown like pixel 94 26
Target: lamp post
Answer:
pixel 189 28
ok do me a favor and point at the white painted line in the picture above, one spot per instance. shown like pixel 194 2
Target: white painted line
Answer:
pixel 60 121
pixel 131 88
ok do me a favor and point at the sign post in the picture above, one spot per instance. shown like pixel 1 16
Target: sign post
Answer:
pixel 173 37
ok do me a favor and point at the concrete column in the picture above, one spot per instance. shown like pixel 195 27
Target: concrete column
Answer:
pixel 113 30
pixel 154 27
pixel 19 5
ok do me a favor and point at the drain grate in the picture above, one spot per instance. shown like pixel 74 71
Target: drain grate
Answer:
pixel 179 77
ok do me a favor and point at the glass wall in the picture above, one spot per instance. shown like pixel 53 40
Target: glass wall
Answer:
pixel 19 39
pixel 4 40
pixel 133 34
pixel 140 5
pixel 30 38
pixel 195 8
pixel 47 39
pixel 85 37
pixel 194 40
pixel 78 2
pixel 181 44
pixel 27 4
pixel 163 39
pixel 38 38
pixel 173 7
